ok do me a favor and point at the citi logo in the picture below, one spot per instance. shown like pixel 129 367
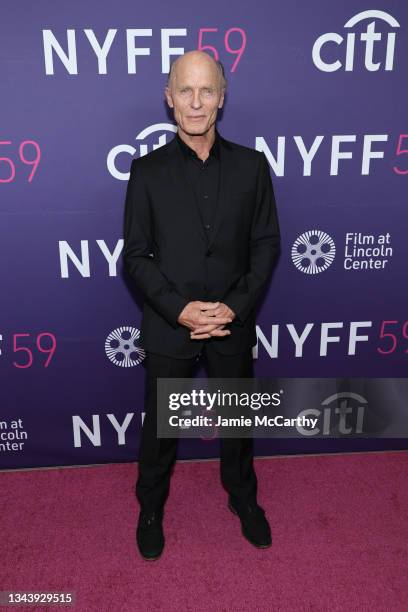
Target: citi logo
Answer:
pixel 159 130
pixel 313 252
pixel 323 47
pixel 122 347
pixel 341 414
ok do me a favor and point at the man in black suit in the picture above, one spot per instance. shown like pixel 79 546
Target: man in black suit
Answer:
pixel 201 236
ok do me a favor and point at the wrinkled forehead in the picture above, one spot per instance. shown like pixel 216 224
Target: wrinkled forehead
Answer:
pixel 195 74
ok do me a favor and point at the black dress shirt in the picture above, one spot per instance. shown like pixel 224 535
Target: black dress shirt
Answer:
pixel 204 178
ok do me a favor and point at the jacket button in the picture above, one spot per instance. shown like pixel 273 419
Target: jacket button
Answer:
pixel 209 253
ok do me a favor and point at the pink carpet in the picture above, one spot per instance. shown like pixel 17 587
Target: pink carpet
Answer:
pixel 339 525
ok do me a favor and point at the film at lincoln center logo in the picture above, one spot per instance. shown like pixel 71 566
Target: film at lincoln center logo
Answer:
pixel 122 347
pixel 313 252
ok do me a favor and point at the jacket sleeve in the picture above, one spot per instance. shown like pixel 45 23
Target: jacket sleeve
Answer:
pixel 138 254
pixel 264 248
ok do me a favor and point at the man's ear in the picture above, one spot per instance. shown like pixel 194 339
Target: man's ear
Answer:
pixel 168 95
pixel 221 104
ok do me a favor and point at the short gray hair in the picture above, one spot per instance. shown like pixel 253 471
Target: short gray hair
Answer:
pixel 219 66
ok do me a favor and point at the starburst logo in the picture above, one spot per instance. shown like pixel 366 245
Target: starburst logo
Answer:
pixel 313 252
pixel 122 347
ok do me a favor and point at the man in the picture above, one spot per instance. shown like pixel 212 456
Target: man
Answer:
pixel 201 236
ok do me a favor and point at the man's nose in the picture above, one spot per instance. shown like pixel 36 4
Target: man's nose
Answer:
pixel 196 101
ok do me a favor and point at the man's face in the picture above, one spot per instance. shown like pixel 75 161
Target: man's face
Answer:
pixel 195 94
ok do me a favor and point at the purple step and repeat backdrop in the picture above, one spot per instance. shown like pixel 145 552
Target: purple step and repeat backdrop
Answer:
pixel 321 90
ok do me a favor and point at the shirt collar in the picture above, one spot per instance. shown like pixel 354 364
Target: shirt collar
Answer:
pixel 214 151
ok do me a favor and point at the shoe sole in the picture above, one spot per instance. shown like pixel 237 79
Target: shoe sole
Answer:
pixel 150 558
pixel 146 558
pixel 244 534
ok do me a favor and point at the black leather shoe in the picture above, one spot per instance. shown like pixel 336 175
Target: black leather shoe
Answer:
pixel 254 525
pixel 149 534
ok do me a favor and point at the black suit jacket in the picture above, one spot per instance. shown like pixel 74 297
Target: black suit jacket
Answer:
pixel 173 259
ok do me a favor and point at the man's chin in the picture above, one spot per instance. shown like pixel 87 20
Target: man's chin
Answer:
pixel 196 130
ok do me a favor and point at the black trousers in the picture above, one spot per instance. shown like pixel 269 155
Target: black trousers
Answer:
pixel 157 455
